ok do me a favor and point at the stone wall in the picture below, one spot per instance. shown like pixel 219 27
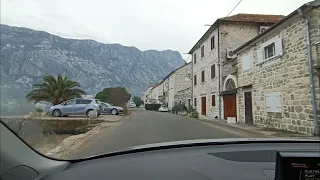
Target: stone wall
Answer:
pixel 182 96
pixel 287 74
pixel 209 86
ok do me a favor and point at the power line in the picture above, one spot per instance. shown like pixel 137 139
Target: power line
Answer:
pixel 234 8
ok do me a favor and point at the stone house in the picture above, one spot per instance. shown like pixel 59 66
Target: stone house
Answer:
pixel 174 88
pixel 146 95
pixel 213 73
pixel 273 83
pixel 183 83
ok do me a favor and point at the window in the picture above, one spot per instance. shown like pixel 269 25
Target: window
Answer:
pixel 83 101
pixel 195 80
pixel 269 51
pixel 195 101
pixel 213 100
pixel 273 102
pixel 202 76
pixel 71 102
pixel 213 71
pixel 195 58
pixel 212 42
pixel 202 51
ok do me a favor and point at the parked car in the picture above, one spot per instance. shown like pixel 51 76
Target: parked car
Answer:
pixel 163 108
pixel 110 109
pixel 76 107
pixel 131 105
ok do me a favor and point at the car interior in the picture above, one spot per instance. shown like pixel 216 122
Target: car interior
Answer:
pixel 223 159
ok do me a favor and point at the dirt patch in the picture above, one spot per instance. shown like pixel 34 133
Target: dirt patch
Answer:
pixel 72 143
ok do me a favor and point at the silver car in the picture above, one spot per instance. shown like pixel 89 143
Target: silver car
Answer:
pixel 76 107
pixel 110 109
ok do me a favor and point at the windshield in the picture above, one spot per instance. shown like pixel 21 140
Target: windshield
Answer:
pixel 159 71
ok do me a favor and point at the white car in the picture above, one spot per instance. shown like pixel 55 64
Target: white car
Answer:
pixel 163 109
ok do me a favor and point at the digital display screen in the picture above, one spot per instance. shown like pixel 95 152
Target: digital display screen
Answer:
pixel 298 166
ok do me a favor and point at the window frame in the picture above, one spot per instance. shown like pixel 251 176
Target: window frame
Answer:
pixel 194 58
pixel 213 75
pixel 212 42
pixel 195 80
pixel 202 51
pixel 266 53
pixel 203 76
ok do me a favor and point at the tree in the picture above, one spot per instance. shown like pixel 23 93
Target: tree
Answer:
pixel 115 95
pixel 137 100
pixel 55 90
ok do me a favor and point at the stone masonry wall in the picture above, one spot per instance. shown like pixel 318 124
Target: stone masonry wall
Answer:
pixel 287 74
pixel 210 86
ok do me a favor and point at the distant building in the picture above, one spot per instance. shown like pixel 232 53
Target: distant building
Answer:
pixel 87 96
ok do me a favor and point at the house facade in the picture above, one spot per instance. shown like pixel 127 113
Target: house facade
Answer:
pixel 173 89
pixel 183 85
pixel 213 74
pixel 273 83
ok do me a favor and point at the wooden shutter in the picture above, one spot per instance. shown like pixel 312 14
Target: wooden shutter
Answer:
pixel 213 100
pixel 246 63
pixel 213 71
pixel 260 54
pixel 278 46
pixel 273 102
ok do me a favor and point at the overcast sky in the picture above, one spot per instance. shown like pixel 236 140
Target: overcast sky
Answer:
pixel 145 24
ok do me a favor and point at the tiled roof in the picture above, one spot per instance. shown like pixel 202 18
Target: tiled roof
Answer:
pixel 254 18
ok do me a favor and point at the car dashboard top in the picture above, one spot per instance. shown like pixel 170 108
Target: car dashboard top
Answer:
pixel 244 161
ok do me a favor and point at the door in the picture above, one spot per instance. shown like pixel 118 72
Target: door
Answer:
pixel 106 108
pixel 248 107
pixel 81 106
pixel 203 106
pixel 229 106
pixel 69 107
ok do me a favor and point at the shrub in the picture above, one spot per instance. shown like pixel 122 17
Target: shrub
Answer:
pixel 152 107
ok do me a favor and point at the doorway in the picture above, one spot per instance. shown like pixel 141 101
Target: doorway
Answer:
pixel 203 106
pixel 248 107
pixel 229 106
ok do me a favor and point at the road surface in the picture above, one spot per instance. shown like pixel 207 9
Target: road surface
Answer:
pixel 145 127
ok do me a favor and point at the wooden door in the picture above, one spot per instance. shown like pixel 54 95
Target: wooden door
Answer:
pixel 203 106
pixel 248 107
pixel 229 106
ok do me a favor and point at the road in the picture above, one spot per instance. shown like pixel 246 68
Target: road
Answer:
pixel 145 127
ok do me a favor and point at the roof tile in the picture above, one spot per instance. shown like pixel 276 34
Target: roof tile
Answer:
pixel 254 18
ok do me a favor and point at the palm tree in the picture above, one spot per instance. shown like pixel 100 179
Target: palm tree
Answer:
pixel 55 90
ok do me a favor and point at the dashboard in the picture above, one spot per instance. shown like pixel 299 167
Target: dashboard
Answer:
pixel 244 161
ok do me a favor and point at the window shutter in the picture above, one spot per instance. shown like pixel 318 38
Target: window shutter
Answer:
pixel 260 52
pixel 246 63
pixel 278 46
pixel 273 102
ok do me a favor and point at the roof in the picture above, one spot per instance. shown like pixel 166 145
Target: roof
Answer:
pixel 239 18
pixel 260 18
pixel 312 4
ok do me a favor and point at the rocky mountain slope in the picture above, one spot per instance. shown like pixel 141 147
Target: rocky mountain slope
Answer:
pixel 28 55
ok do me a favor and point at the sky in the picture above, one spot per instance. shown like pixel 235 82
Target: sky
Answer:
pixel 145 24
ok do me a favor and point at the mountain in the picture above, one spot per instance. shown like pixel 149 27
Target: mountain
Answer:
pixel 28 55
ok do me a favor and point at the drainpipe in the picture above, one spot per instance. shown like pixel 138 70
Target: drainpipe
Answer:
pixel 312 89
pixel 192 101
pixel 219 65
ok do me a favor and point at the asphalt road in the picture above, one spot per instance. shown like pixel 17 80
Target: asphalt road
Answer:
pixel 146 127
